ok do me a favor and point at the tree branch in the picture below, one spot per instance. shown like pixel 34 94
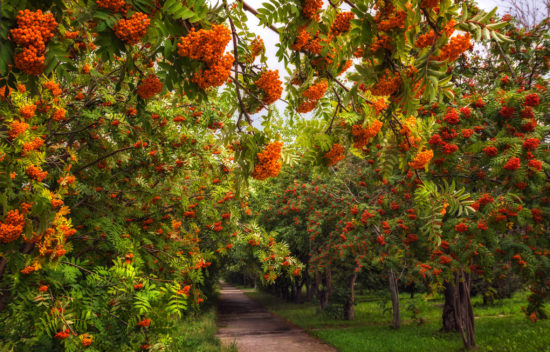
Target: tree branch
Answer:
pixel 253 11
pixel 236 54
pixel 101 158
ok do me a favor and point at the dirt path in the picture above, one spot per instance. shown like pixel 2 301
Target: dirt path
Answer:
pixel 254 329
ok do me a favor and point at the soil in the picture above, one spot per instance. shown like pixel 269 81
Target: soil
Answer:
pixel 254 329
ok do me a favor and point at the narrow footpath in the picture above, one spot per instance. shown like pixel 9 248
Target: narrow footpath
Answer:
pixel 254 329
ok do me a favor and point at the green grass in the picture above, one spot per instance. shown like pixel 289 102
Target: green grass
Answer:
pixel 501 327
pixel 198 334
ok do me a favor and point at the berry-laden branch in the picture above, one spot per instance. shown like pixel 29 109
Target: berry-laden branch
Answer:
pixel 236 65
pixel 101 158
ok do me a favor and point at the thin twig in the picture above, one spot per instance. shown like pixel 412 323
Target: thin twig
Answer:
pixel 236 54
pixel 101 158
pixel 512 72
pixel 253 11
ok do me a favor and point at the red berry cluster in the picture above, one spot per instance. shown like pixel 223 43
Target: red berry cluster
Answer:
pixel 149 86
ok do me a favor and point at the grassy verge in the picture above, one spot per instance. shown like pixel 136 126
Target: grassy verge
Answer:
pixel 198 334
pixel 501 327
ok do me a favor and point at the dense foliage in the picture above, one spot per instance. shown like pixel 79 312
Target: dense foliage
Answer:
pixel 127 142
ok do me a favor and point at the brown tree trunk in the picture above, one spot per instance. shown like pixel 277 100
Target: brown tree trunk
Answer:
pixel 299 286
pixel 349 310
pixel 394 292
pixel 324 294
pixel 449 321
pixel 458 313
pixel 309 288
pixel 3 263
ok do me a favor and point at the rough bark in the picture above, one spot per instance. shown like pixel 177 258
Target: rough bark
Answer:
pixel 449 321
pixel 349 310
pixel 394 293
pixel 458 313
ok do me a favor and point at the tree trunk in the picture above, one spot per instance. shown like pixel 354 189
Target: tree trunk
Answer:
pixel 449 321
pixel 458 309
pixel 309 287
pixel 394 292
pixel 349 310
pixel 324 294
pixel 299 286
pixel 292 296
pixel 3 263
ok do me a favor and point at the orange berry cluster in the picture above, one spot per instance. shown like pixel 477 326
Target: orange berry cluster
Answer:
pixel 59 114
pixel 12 226
pixel 71 35
pixel 205 45
pixel 29 269
pixel 3 92
pixel 306 106
pixel 149 86
pixel 113 5
pixel 342 23
pixel 452 50
pixel 34 30
pixel 256 47
pixel 36 173
pixel 35 144
pixel 53 88
pixel 312 94
pixel 314 45
pixel 272 86
pixel 346 66
pixel 388 84
pixel 144 323
pixel 422 159
pixel 429 38
pixel 216 74
pixel 27 112
pixel 362 136
pixel 429 4
pixel 208 46
pixel 17 128
pixel 316 91
pixel 383 42
pixel 86 340
pixel 450 27
pixel 389 18
pixel 311 9
pixel 335 154
pixel 425 40
pixel 379 105
pixel 133 29
pixel 268 162
pixel 301 40
pixel 54 237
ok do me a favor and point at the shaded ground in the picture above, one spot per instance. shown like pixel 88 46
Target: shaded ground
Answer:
pixel 254 329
